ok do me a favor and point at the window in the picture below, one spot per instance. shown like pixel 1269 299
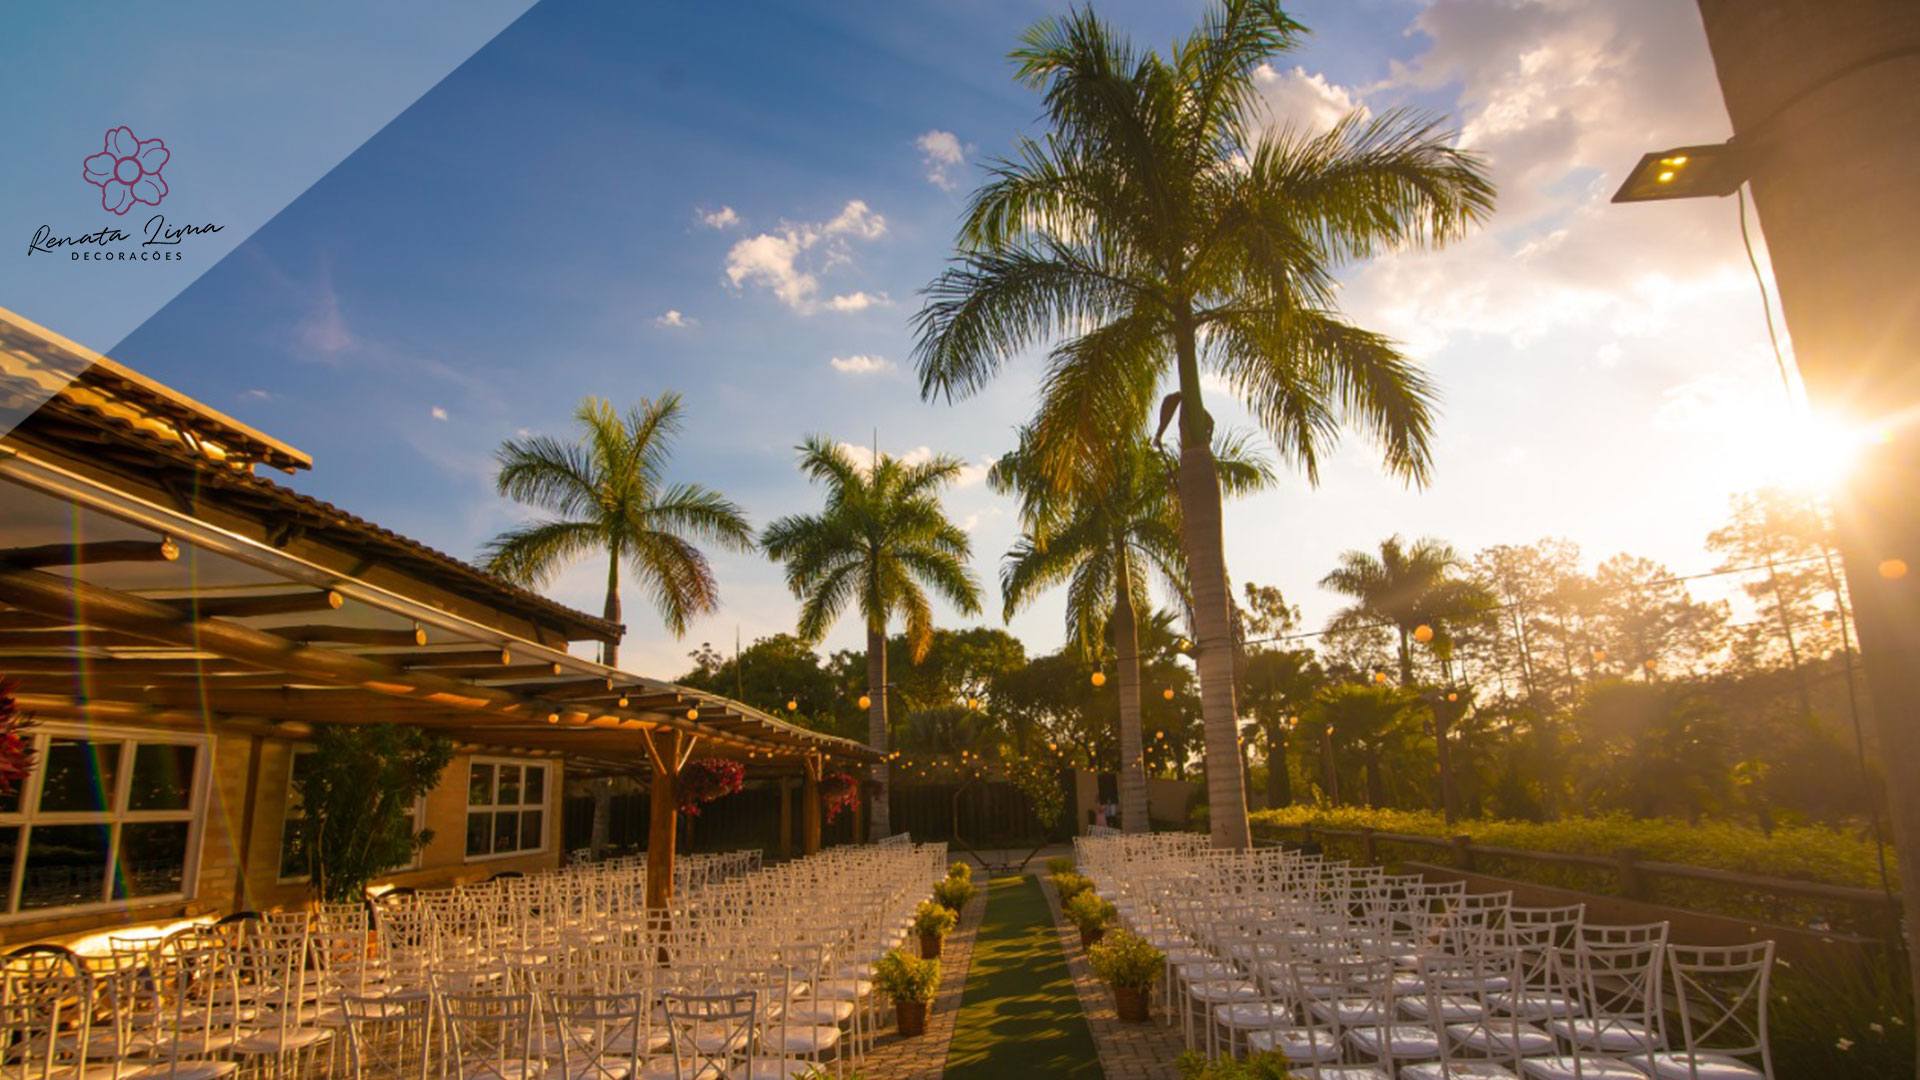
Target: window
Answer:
pixel 506 807
pixel 102 819
pixel 293 855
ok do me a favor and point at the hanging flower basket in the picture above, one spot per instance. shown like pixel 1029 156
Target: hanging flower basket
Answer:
pixel 16 746
pixel 838 793
pixel 708 779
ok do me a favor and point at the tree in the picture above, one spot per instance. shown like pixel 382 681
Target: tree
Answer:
pixel 1643 618
pixel 1165 228
pixel 772 672
pixel 1276 684
pixel 1101 537
pixel 880 543
pixel 1522 578
pixel 1375 720
pixel 610 494
pixel 1786 536
pixel 357 790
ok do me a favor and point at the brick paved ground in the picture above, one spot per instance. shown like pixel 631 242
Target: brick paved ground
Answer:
pixel 1127 1051
pixel 925 1057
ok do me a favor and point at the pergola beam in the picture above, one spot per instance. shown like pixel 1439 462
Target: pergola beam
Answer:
pixel 89 553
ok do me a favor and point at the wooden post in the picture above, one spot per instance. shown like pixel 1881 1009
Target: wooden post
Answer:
pixel 1368 852
pixel 663 817
pixel 810 806
pixel 786 819
pixel 1626 866
pixel 860 814
pixel 1463 852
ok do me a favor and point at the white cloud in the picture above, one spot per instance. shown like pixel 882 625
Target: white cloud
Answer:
pixel 970 523
pixel 973 472
pixel 861 364
pixel 789 261
pixel 257 394
pixel 324 328
pixel 862 456
pixel 1305 103
pixel 438 413
pixel 674 320
pixel 858 301
pixel 723 218
pixel 941 153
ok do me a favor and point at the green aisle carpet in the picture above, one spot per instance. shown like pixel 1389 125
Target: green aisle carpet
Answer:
pixel 1019 1015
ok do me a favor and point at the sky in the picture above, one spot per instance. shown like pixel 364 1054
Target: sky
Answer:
pixel 442 226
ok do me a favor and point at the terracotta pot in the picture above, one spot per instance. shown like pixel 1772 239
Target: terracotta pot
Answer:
pixel 930 946
pixel 1131 1003
pixel 1090 938
pixel 912 1018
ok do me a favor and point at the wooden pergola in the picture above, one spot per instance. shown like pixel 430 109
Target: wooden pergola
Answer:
pixel 150 574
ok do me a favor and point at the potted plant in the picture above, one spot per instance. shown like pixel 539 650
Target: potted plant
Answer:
pixel 1060 864
pixel 1269 1066
pixel 1128 964
pixel 910 983
pixel 932 922
pixel 962 870
pixel 954 892
pixel 1070 885
pixel 1090 914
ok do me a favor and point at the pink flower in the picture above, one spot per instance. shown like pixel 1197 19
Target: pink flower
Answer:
pixel 127 170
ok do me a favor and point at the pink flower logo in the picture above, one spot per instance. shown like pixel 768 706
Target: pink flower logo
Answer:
pixel 127 170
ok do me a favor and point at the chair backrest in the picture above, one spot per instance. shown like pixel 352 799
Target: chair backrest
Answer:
pixel 1721 996
pixel 387 1036
pixel 601 1036
pixel 711 1034
pixel 488 1036
pixel 45 1019
pixel 1620 985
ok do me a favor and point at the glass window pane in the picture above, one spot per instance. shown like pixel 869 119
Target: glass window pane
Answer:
pixel 162 777
pixel 479 834
pixel 9 844
pixel 536 793
pixel 153 859
pixel 506 830
pixel 509 785
pixel 530 830
pixel 293 852
pixel 480 785
pixel 66 864
pixel 78 775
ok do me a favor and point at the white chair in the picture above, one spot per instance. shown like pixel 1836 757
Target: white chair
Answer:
pixel 1721 996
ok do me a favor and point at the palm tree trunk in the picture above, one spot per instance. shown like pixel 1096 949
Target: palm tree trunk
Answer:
pixel 610 650
pixel 1376 790
pixel 1126 646
pixel 1443 753
pixel 1406 658
pixel 878 825
pixel 1212 606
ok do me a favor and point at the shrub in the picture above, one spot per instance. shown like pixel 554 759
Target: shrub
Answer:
pixel 954 892
pixel 1070 885
pixel 1801 852
pixel 906 978
pixel 1089 912
pixel 932 918
pixel 962 870
pixel 1838 1018
pixel 1195 1066
pixel 1127 960
pixel 1060 864
pixel 358 789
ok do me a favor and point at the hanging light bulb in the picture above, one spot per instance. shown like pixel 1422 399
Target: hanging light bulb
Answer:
pixel 1167 693
pixel 793 705
pixel 1893 569
pixel 1099 678
pixel 866 702
pixel 1599 655
pixel 1183 645
pixel 1423 633
pixel 1651 664
pixel 693 713
pixel 1380 677
pixel 1453 696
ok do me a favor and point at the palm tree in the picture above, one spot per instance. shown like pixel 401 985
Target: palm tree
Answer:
pixel 1102 538
pixel 881 542
pixel 1163 228
pixel 1418 592
pixel 608 492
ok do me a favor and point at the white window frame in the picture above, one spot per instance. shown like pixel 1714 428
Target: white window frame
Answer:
pixel 115 817
pixel 545 806
pixel 288 816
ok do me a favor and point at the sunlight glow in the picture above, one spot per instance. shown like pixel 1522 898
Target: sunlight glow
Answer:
pixel 1813 454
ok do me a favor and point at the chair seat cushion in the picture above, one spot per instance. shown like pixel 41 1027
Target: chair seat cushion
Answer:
pixel 1533 1005
pixel 1456 1070
pixel 271 1042
pixel 1454 1008
pixel 1251 1014
pixel 1606 1035
pixel 1668 1065
pixel 1297 1044
pixel 1228 990
pixel 186 1070
pixel 1346 1012
pixel 1499 1038
pixel 1592 1067
pixel 1398 1040
pixel 799 1038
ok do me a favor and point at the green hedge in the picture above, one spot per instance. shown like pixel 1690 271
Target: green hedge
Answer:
pixel 1801 852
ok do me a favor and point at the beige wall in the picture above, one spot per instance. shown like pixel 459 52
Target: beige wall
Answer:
pixel 220 886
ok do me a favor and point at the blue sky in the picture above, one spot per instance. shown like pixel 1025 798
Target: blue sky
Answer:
pixel 429 249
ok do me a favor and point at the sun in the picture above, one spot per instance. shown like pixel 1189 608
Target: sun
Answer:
pixel 1812 454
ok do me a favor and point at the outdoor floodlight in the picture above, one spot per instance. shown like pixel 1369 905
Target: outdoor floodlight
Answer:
pixel 1685 172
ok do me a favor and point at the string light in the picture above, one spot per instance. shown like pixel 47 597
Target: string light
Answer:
pixel 1167 693
pixel 793 705
pixel 1423 633
pixel 1099 678
pixel 866 702
pixel 1380 677
pixel 1893 569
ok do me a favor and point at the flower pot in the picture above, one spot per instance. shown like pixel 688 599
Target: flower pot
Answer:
pixel 930 946
pixel 912 1017
pixel 1131 1003
pixel 1090 938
